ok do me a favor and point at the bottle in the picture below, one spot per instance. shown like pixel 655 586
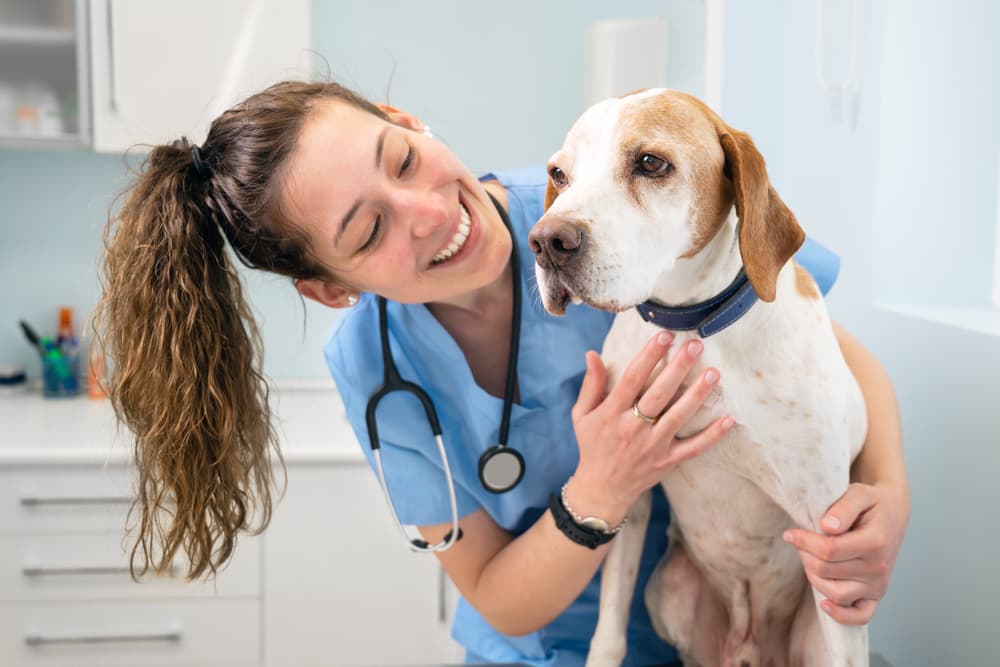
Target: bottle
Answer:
pixel 96 375
pixel 65 334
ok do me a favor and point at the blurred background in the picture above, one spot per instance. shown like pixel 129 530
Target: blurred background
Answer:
pixel 878 120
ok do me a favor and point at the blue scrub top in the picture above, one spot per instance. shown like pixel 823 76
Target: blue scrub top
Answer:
pixel 550 370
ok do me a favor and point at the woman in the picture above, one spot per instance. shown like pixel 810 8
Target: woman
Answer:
pixel 353 200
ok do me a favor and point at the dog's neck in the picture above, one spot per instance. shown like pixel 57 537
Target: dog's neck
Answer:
pixel 702 276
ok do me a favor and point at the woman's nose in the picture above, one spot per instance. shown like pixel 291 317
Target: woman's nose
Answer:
pixel 425 209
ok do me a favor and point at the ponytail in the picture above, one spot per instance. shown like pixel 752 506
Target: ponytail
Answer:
pixel 186 381
pixel 184 348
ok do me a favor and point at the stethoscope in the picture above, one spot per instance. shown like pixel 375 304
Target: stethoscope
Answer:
pixel 500 467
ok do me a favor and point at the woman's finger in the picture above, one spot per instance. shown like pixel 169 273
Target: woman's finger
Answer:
pixel 682 449
pixel 685 408
pixel 831 548
pixel 855 568
pixel 859 613
pixel 656 397
pixel 842 592
pixel 844 513
pixel 636 374
pixel 592 389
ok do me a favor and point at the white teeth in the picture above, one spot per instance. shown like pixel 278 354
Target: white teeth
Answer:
pixel 458 240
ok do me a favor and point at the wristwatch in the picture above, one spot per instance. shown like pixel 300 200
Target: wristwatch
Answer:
pixel 589 531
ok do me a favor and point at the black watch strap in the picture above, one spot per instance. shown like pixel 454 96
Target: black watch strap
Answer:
pixel 588 537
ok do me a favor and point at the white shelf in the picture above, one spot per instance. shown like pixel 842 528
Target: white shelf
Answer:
pixel 11 140
pixel 31 35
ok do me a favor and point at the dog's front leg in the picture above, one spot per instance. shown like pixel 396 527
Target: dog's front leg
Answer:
pixel 816 638
pixel 609 643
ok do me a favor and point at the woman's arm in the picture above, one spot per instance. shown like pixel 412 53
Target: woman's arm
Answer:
pixel 518 584
pixel 521 584
pixel 852 563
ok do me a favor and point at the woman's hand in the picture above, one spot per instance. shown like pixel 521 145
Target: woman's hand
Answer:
pixel 621 455
pixel 852 563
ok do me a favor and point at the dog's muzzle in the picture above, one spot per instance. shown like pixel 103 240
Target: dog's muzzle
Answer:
pixel 556 243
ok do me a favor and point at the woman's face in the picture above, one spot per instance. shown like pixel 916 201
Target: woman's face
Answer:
pixel 383 207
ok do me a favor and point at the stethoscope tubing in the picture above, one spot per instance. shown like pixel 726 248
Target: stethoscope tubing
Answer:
pixel 393 382
pixel 416 544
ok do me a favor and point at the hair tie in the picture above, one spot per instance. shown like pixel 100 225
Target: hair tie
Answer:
pixel 200 166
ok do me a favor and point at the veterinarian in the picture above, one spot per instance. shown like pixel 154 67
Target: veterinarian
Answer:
pixel 353 202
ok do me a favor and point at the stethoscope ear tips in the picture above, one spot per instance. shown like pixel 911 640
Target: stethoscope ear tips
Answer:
pixel 500 468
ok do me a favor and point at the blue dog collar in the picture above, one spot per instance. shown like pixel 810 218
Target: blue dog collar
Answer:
pixel 708 317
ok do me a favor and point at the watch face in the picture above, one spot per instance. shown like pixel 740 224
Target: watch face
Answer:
pixel 596 524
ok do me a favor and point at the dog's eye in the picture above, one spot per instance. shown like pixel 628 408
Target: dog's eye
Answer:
pixel 558 177
pixel 650 165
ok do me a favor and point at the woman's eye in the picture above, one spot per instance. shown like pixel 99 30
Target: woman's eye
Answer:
pixel 407 161
pixel 376 228
pixel 558 176
pixel 651 165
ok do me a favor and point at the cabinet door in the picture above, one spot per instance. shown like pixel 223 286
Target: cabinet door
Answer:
pixel 165 68
pixel 340 585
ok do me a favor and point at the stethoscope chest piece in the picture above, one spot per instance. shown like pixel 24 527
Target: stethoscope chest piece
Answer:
pixel 500 468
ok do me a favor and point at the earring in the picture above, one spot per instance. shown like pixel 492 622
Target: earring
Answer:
pixel 427 132
pixel 352 300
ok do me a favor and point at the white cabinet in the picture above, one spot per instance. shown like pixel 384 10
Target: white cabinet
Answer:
pixel 341 587
pixel 66 596
pixel 117 74
pixel 44 73
pixel 165 68
pixel 330 582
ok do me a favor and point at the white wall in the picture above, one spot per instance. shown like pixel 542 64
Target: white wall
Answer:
pixel 500 83
pixel 907 198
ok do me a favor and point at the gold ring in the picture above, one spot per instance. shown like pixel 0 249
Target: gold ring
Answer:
pixel 638 413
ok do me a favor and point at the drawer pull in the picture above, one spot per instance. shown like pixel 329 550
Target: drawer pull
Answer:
pixel 34 501
pixel 36 571
pixel 50 571
pixel 41 640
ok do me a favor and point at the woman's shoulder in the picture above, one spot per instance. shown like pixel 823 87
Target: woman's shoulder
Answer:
pixel 349 352
pixel 821 262
pixel 533 176
pixel 525 190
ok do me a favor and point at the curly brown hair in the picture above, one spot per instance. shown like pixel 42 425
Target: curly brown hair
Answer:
pixel 184 347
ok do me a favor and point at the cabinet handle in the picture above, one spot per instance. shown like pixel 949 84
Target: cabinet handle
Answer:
pixel 50 571
pixel 113 93
pixel 442 593
pixel 37 571
pixel 42 640
pixel 35 501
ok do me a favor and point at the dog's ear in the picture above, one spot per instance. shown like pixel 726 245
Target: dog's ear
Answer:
pixel 769 233
pixel 550 194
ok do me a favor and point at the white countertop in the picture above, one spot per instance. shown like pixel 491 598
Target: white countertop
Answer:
pixel 309 419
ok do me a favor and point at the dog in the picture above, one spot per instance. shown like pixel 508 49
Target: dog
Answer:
pixel 654 200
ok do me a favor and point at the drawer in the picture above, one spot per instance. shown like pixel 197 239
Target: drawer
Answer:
pixel 82 566
pixel 61 499
pixel 115 634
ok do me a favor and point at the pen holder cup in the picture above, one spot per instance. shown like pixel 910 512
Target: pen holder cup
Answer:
pixel 61 374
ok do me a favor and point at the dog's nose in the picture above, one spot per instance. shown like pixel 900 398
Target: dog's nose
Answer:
pixel 556 243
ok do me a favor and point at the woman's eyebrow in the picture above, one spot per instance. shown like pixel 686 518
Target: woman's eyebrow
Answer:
pixel 379 146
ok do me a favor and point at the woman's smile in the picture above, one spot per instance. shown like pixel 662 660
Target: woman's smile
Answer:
pixel 459 238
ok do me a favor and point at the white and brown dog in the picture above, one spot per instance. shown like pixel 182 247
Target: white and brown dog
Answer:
pixel 653 198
